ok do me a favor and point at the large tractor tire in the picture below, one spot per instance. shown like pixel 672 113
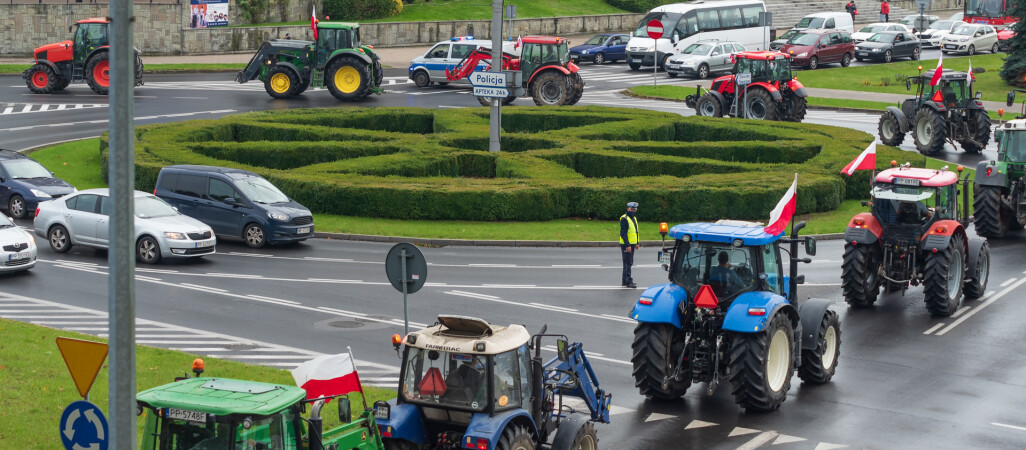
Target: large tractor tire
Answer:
pixel 41 79
pixel 796 108
pixel 379 74
pixel 138 70
pixel 515 437
pixel 890 130
pixel 97 73
pixel 281 82
pixel 577 84
pixel 860 281
pixel 989 216
pixel 759 105
pixel 303 85
pixel 657 348
pixel 551 88
pixel 348 79
pixel 979 127
pixel 929 131
pixel 62 84
pixel 819 364
pixel 943 277
pixel 760 365
pixel 576 434
pixel 977 285
pixel 709 106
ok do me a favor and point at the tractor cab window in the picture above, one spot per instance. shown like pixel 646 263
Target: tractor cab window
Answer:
pixel 443 378
pixel 1013 146
pixel 772 268
pixel 779 69
pixel 912 205
pixel 94 34
pixel 727 269
pixel 174 434
pixel 263 432
pixel 325 44
pixel 506 370
pixel 564 53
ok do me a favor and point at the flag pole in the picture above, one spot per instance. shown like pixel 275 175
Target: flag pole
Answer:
pixel 795 202
pixel 352 360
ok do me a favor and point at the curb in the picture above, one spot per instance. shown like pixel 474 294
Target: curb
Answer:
pixel 433 242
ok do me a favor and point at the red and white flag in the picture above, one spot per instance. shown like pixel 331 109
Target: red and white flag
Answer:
pixel 520 42
pixel 937 73
pixel 865 161
pixel 328 375
pixel 971 75
pixel 313 21
pixel 784 210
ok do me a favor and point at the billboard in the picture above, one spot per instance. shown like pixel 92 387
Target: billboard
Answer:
pixel 208 13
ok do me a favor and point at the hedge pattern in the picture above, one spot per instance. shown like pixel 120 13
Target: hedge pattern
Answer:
pixel 409 163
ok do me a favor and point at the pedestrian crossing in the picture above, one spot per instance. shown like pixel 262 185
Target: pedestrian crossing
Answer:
pixel 25 108
pixel 174 337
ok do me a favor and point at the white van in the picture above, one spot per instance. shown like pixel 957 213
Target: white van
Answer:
pixel 827 20
pixel 687 23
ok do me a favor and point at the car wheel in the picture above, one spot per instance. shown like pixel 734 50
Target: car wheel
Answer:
pixel 147 250
pixel 600 58
pixel 16 207
pixel 255 236
pixel 60 242
pixel 971 51
pixel 813 63
pixel 994 48
pixel 915 54
pixel 859 59
pixel 421 79
pixel 703 71
pixel 846 60
pixel 672 74
pixel 635 67
pixel 888 56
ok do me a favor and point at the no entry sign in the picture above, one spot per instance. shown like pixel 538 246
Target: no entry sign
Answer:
pixel 654 29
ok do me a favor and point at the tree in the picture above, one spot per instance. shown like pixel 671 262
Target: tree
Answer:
pixel 1014 69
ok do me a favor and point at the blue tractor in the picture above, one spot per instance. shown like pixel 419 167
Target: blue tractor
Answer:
pixel 729 313
pixel 468 384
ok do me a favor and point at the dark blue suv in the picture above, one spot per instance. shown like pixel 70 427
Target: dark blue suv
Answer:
pixel 235 203
pixel 24 183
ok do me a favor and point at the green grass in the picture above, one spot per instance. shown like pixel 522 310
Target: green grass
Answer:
pixel 37 386
pixel 17 69
pixel 77 162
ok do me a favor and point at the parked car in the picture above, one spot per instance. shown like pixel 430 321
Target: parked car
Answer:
pixel 18 247
pixel 703 58
pixel 1004 36
pixel 869 30
pixel 811 48
pixel 827 21
pixel 888 45
pixel 237 204
pixel 430 67
pixel 933 35
pixel 24 183
pixel 957 16
pixel 781 41
pixel 161 231
pixel 970 38
pixel 917 22
pixel 601 48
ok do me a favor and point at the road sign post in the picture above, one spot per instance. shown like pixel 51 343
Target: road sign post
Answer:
pixel 494 141
pixel 742 79
pixel 83 426
pixel 511 13
pixel 655 31
pixel 406 269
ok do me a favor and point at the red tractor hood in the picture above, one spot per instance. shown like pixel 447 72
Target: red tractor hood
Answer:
pixel 60 51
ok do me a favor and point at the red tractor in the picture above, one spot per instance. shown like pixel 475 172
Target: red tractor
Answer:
pixel 86 58
pixel 549 76
pixel 915 235
pixel 773 93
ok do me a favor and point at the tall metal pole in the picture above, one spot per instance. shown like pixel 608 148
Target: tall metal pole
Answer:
pixel 496 119
pixel 121 254
pixel 406 285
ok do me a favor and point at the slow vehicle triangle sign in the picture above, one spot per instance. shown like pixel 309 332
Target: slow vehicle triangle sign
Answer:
pixel 84 360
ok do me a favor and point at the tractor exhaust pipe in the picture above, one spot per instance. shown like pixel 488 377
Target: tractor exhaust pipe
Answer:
pixel 316 426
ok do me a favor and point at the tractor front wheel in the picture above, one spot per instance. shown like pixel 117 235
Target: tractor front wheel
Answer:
pixel 943 278
pixel 348 79
pixel 709 106
pixel 97 73
pixel 281 82
pixel 575 435
pixel 979 129
pixel 515 437
pixel 890 129
pixel 989 215
pixel 759 105
pixel 657 347
pixel 760 365
pixel 551 89
pixel 41 79
pixel 928 131
pixel 860 281
pixel 975 287
pixel 819 364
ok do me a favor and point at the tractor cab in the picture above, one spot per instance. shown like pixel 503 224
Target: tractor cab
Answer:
pixel 89 35
pixel 540 51
pixel 333 36
pixel 912 199
pixel 952 92
pixel 764 66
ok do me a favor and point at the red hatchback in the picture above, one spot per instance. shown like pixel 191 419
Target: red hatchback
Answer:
pixel 810 48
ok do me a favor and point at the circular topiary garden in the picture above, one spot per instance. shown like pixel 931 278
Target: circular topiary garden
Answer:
pixel 409 163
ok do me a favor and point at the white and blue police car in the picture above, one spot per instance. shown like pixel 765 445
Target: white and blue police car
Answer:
pixel 430 67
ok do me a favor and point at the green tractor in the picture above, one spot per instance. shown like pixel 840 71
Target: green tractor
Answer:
pixel 999 190
pixel 336 60
pixel 222 413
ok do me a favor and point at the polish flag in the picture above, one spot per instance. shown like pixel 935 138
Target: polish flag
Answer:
pixel 784 210
pixel 328 375
pixel 937 73
pixel 865 161
pixel 313 21
pixel 971 75
pixel 520 42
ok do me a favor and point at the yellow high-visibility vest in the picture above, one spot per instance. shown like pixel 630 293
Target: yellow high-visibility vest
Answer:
pixel 632 231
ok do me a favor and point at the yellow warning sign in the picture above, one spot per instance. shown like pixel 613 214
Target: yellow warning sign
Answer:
pixel 84 360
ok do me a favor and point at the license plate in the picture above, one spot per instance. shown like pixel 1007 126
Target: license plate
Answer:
pixel 381 413
pixel 950 46
pixel 205 244
pixel 574 56
pixel 304 230
pixel 637 60
pixel 675 66
pixel 185 414
pixel 907 181
pixel 19 256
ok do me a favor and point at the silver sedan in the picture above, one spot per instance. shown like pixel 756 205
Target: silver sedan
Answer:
pixel 161 231
pixel 18 247
pixel 703 58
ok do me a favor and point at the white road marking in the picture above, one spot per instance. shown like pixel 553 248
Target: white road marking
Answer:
pixel 934 328
pixel 342 311
pixel 759 440
pixel 273 300
pixel 544 308
pixel 657 416
pixel 180 342
pixel 560 308
pixel 990 300
pixel 576 266
pixel 699 424
pixel 196 286
pixel 66 124
pixel 1008 426
pixel 961 311
pixel 828 446
pixel 1008 281
pixel 739 431
pixel 786 439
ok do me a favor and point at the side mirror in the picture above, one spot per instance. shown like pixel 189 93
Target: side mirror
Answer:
pixel 979 95
pixel 345 413
pixel 998 134
pixel 69 28
pixel 1011 98
pixel 230 200
pixel 632 34
pixel 52 174
pixel 561 350
pixel 810 246
pixel 676 38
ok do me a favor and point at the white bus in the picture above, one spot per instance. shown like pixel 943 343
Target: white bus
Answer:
pixel 687 23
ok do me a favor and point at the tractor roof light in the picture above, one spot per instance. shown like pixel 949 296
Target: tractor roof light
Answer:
pixel 894 163
pixel 738 242
pixel 959 168
pixel 663 228
pixel 396 340
pixel 1001 112
pixel 686 238
pixel 197 366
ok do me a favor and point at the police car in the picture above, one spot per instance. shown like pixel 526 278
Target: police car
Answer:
pixel 430 67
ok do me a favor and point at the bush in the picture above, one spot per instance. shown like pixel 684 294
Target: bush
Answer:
pixel 354 10
pixel 408 163
pixel 638 6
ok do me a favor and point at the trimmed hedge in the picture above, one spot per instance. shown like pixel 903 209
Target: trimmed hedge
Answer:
pixel 408 163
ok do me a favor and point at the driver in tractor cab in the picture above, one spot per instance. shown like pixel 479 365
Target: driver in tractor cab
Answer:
pixel 914 213
pixel 724 280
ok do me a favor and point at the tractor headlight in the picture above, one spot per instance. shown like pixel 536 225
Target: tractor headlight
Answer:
pixel 802 54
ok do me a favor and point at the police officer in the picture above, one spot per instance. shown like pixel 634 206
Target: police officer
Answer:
pixel 628 243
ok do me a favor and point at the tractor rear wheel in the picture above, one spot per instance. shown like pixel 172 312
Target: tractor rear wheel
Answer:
pixel 795 108
pixel 97 73
pixel 515 437
pixel 929 131
pixel 819 364
pixel 860 281
pixel 509 100
pixel 551 88
pixel 709 106
pixel 657 347
pixel 41 79
pixel 989 215
pixel 979 128
pixel 760 365
pixel 577 84
pixel 975 287
pixel 943 277
pixel 379 74
pixel 890 130
pixel 760 106
pixel 348 79
pixel 281 82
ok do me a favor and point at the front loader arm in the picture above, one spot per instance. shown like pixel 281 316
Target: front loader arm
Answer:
pixel 575 377
pixel 470 62
pixel 253 68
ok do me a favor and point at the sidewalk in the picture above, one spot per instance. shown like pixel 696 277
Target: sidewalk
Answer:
pixel 896 99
